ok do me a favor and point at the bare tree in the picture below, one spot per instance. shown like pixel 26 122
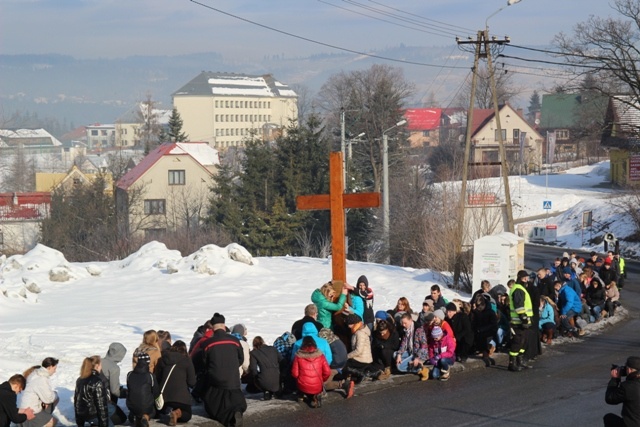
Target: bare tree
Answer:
pixel 149 129
pixel 505 87
pixel 607 49
pixel 19 174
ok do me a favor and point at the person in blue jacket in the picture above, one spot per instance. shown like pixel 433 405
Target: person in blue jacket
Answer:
pixel 570 306
pixel 309 330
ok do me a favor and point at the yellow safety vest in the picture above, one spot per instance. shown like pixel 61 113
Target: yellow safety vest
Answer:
pixel 515 316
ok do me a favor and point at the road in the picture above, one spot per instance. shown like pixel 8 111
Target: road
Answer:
pixel 565 388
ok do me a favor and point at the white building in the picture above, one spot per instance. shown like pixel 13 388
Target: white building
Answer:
pixel 227 109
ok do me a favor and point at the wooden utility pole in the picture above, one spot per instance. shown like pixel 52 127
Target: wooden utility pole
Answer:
pixel 482 50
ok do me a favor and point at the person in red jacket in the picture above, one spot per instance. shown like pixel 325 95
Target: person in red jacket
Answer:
pixel 311 369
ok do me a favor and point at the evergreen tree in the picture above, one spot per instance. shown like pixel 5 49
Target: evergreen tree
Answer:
pixel 175 133
pixel 534 106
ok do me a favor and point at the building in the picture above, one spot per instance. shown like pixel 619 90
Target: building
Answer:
pixel 20 218
pixel 100 137
pixel 31 140
pixel 50 182
pixel 130 127
pixel 227 109
pixel 523 144
pixel 423 125
pixel 168 190
pixel 575 120
pixel 622 137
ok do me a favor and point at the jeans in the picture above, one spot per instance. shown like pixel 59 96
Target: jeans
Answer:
pixel 596 310
pixel 442 365
pixel 405 364
pixel 566 325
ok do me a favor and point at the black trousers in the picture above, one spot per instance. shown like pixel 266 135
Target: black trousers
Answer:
pixel 518 341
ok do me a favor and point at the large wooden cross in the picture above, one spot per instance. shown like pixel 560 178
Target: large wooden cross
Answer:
pixel 336 201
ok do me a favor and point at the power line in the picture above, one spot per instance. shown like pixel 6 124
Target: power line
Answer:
pixel 423 17
pixel 316 41
pixel 382 20
pixel 540 61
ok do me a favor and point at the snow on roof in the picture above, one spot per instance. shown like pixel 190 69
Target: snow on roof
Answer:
pixel 229 84
pixel 9 134
pixel 201 152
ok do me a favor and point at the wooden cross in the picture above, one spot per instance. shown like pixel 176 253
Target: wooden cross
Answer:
pixel 336 201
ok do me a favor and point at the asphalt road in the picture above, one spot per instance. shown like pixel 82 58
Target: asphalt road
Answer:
pixel 565 388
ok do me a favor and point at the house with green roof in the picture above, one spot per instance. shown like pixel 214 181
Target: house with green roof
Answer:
pixel 576 119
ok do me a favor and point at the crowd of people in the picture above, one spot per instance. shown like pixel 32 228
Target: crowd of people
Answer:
pixel 338 343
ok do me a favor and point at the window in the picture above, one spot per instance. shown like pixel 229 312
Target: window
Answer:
pixel 154 206
pixel 269 104
pixel 216 104
pixel 94 132
pixel 425 133
pixel 226 132
pixel 250 104
pixel 226 117
pixel 103 132
pixel 236 104
pixel 217 118
pixel 504 135
pixel 176 177
pixel 562 134
pixel 516 136
pixel 226 104
pixel 246 103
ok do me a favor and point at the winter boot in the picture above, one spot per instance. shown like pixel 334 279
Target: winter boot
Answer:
pixel 238 420
pixel 549 334
pixel 385 374
pixel 522 362
pixel 513 364
pixel 173 416
pixel 144 421
pixel 444 375
pixel 267 395
pixel 423 373
pixel 348 387
pixel 314 401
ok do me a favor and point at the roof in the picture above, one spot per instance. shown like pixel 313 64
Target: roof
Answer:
pixel 208 83
pixel 137 112
pixel 562 110
pixel 24 206
pixel 201 152
pixel 12 137
pixel 480 117
pixel 422 118
pixel 626 112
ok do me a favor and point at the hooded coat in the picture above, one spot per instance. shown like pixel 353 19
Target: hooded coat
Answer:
pixel 309 330
pixel 326 308
pixel 143 390
pixel 110 368
pixel 311 369
pixel 182 377
pixel 38 390
pixel 367 298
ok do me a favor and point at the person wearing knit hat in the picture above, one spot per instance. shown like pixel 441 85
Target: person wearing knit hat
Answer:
pixel 462 331
pixel 626 392
pixel 223 400
pixel 441 348
pixel 143 389
pixel 452 307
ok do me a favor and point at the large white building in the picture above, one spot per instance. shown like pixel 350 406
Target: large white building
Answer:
pixel 227 109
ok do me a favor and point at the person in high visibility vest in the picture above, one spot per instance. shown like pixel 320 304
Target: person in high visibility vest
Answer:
pixel 618 266
pixel 521 312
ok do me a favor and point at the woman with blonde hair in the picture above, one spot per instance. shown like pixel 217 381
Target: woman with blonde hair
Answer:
pixel 90 399
pixel 150 345
pixel 324 298
pixel 39 395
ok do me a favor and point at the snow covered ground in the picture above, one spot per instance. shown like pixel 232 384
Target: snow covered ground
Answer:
pixel 51 307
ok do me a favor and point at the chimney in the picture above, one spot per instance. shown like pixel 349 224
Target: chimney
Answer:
pixel 520 112
pixel 14 202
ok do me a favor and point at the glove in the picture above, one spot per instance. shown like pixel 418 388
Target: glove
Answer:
pixel 526 322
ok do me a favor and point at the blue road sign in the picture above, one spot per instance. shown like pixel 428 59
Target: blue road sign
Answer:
pixel 546 204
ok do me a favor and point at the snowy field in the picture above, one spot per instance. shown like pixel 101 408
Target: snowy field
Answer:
pixel 51 307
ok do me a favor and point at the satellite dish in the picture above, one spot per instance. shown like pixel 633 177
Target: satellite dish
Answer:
pixel 537 121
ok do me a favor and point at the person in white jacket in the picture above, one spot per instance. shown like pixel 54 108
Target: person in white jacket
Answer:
pixel 39 395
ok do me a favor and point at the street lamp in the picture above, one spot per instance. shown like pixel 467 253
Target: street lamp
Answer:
pixel 509 3
pixel 385 184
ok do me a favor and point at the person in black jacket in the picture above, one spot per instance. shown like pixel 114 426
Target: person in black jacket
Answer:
pixel 91 396
pixel 8 402
pixel 627 393
pixel 462 331
pixel 176 373
pixel 143 388
pixel 264 368
pixel 310 315
pixel 385 343
pixel 223 356
pixel 485 326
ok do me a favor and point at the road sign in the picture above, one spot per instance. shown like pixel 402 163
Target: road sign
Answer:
pixel 546 204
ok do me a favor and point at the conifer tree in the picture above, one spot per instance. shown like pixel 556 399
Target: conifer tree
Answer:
pixel 174 132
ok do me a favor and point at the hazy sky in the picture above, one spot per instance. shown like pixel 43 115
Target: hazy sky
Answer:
pixel 119 28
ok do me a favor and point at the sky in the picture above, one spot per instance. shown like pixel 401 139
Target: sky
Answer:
pixel 105 302
pixel 116 28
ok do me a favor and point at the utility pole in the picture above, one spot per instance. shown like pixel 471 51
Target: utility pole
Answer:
pixel 482 50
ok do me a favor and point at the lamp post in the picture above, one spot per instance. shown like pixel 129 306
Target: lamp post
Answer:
pixel 385 184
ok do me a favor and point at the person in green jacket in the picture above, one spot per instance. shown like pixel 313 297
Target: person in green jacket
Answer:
pixel 323 299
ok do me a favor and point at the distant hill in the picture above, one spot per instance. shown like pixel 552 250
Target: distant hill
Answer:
pixel 85 91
